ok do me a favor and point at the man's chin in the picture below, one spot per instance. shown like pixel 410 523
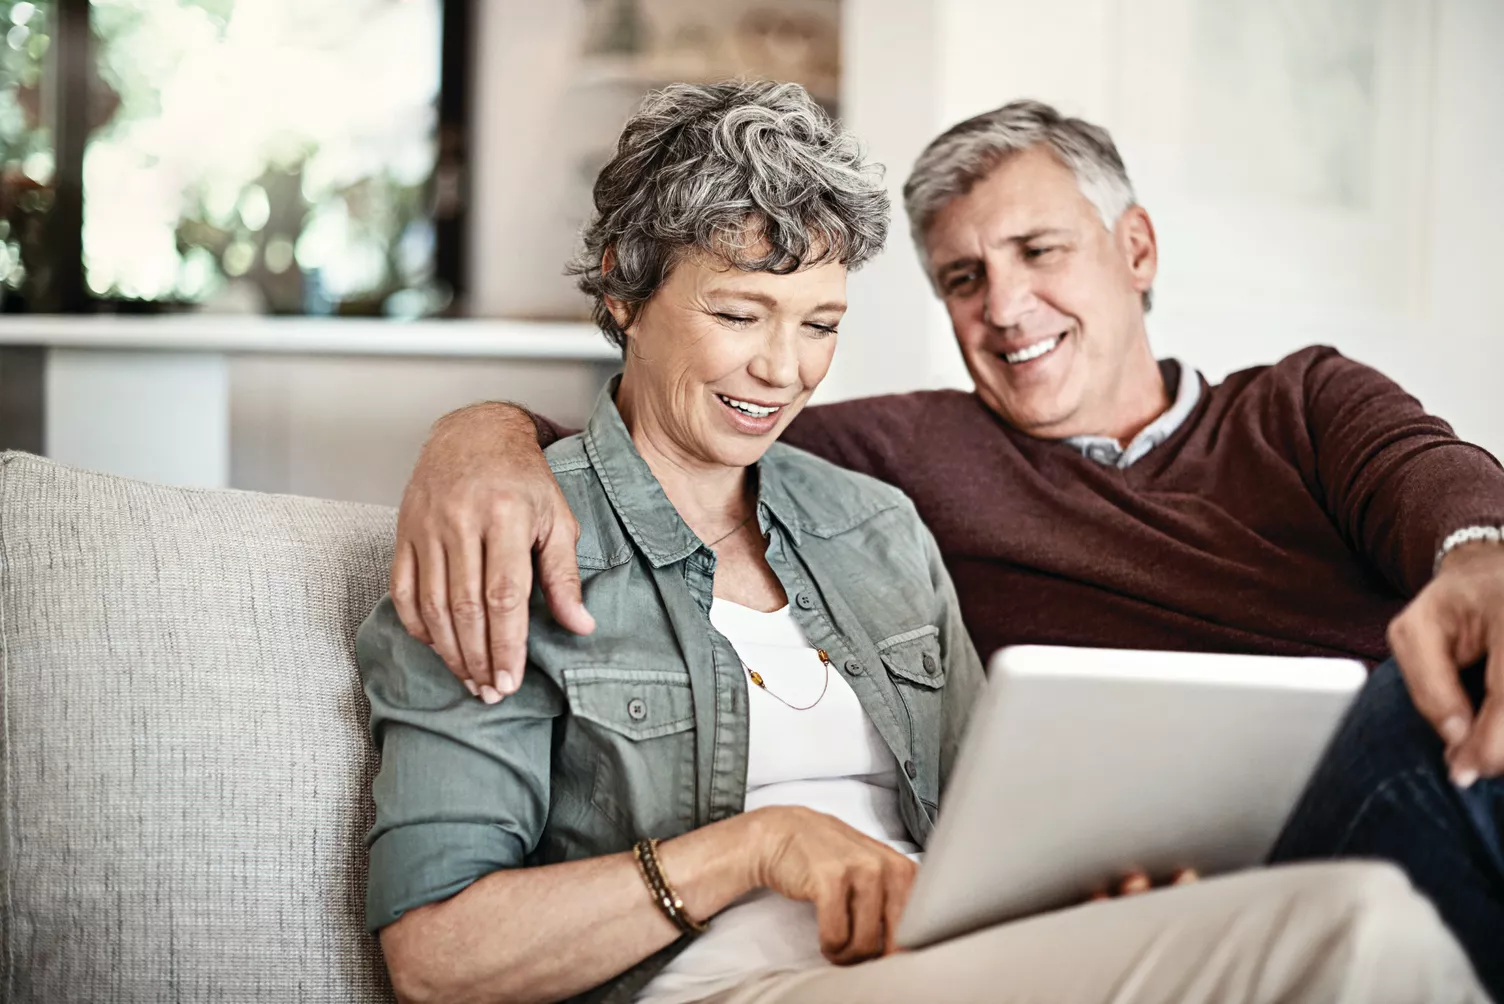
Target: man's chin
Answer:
pixel 1040 416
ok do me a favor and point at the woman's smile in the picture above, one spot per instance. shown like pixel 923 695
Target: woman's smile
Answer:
pixel 750 416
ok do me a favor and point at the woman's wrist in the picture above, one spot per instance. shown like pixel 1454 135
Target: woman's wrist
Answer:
pixel 712 866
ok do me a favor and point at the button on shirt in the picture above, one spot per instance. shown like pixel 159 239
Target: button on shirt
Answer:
pixel 641 728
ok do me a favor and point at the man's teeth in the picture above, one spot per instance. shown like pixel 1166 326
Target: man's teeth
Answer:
pixel 1033 351
pixel 747 407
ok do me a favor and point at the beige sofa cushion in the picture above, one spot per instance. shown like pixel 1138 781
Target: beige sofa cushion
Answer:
pixel 186 773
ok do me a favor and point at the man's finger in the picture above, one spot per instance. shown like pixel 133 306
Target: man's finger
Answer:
pixel 1185 877
pixel 404 589
pixel 509 583
pixel 1482 754
pixel 1134 883
pixel 1420 644
pixel 559 575
pixel 433 605
pixel 466 609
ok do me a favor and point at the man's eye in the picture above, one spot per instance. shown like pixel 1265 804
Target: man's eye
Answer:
pixel 960 283
pixel 1033 253
pixel 735 318
pixel 823 329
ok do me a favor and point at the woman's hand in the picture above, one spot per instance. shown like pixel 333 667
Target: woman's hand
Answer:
pixel 481 499
pixel 858 885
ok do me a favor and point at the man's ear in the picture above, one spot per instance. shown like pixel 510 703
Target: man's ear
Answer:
pixel 1137 244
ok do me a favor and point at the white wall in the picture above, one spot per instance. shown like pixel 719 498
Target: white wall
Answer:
pixel 1253 263
pixel 350 427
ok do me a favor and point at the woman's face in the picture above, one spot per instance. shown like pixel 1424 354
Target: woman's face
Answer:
pixel 720 360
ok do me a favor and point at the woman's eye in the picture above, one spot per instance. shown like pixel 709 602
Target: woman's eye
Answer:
pixel 1038 252
pixel 735 318
pixel 823 329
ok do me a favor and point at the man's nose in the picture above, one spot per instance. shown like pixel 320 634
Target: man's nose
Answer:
pixel 1009 299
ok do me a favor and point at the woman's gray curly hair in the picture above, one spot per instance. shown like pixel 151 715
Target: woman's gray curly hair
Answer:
pixel 752 172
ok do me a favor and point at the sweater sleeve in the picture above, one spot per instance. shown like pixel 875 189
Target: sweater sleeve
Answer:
pixel 1396 480
pixel 870 435
pixel 549 432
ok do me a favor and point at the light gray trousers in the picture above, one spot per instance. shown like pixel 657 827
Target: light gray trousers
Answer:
pixel 1346 933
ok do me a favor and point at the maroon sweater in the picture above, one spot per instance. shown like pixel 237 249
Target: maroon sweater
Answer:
pixel 1294 512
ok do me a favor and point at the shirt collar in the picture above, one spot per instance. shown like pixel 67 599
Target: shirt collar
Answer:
pixel 650 519
pixel 1109 453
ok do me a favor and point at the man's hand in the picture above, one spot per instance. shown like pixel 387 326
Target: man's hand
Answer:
pixel 1454 622
pixel 481 499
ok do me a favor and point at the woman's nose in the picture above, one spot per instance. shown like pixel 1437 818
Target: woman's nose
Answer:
pixel 777 365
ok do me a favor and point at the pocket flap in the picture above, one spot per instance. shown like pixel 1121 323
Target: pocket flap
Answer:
pixel 914 656
pixel 636 703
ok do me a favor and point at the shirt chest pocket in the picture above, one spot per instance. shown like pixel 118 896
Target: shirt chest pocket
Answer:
pixel 917 673
pixel 635 728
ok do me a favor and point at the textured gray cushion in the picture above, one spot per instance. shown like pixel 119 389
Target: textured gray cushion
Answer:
pixel 186 773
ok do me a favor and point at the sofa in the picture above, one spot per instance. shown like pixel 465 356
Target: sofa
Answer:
pixel 184 763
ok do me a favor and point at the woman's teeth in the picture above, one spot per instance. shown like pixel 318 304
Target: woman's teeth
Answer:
pixel 748 408
pixel 1033 351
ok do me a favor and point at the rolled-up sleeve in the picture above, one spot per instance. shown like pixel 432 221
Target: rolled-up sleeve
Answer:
pixel 463 789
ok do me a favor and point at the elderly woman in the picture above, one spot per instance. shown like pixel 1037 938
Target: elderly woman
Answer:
pixel 721 792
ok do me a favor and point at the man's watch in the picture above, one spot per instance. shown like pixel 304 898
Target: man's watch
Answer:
pixel 1467 535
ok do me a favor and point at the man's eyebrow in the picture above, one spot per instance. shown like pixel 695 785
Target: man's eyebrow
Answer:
pixel 971 261
pixel 1034 235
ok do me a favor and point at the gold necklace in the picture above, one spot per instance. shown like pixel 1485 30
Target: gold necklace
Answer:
pixel 729 532
pixel 756 678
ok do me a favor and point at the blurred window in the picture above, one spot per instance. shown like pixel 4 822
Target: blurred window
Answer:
pixel 263 156
pixel 26 147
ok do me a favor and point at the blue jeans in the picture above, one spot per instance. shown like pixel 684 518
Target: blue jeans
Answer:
pixel 1382 791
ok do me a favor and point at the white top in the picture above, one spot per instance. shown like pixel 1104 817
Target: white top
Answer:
pixel 828 758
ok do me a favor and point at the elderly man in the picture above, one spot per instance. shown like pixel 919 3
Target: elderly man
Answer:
pixel 1088 494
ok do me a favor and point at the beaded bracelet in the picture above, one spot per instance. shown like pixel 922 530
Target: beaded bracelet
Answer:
pixel 1466 535
pixel 646 853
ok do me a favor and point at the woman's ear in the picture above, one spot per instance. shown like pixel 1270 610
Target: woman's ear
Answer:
pixel 617 308
pixel 619 312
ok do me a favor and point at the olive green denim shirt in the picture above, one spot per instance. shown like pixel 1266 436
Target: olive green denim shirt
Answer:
pixel 640 729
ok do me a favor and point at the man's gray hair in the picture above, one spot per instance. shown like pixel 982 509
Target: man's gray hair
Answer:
pixel 966 153
pixel 751 172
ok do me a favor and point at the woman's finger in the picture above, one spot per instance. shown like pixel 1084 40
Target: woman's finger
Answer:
pixel 1134 883
pixel 900 880
pixel 833 913
pixel 864 897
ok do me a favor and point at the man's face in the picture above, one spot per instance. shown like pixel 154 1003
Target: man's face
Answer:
pixel 1046 302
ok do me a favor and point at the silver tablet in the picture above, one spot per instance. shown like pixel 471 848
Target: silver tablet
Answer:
pixel 1082 765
